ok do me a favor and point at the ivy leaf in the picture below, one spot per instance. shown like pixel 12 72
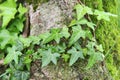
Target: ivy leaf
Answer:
pixel 79 11
pixel 104 15
pixel 8 9
pixel 19 45
pixel 6 38
pixel 65 57
pixel 100 48
pixel 44 36
pixel 91 25
pixel 82 10
pixel 35 39
pixel 82 21
pixel 18 24
pixel 26 41
pixel 65 32
pixel 94 57
pixel 12 55
pixel 47 57
pixel 75 55
pixel 88 34
pixel 77 33
pixel 54 57
pixel 54 36
pixel 72 23
pixel 22 10
pixel 20 75
pixel 88 10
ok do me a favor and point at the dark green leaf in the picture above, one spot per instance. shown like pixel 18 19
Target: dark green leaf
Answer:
pixel 48 56
pixel 77 34
pixel 20 75
pixel 75 55
pixel 94 57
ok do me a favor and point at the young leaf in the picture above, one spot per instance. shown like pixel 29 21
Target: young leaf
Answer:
pixel 104 15
pixel 47 57
pixel 100 48
pixel 64 32
pixel 22 10
pixel 8 9
pixel 77 33
pixel 80 11
pixel 12 55
pixel 65 57
pixel 54 36
pixel 73 22
pixel 75 55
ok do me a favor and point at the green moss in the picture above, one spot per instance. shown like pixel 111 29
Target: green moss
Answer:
pixel 95 4
pixel 108 34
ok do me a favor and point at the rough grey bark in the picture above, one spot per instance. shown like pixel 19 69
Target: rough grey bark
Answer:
pixel 55 13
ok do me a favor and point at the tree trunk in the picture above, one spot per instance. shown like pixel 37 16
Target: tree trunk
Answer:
pixel 62 71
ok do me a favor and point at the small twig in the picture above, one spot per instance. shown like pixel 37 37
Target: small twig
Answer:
pixel 80 2
pixel 26 29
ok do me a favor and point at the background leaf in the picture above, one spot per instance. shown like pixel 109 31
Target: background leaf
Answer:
pixel 6 38
pixel 8 9
pixel 22 10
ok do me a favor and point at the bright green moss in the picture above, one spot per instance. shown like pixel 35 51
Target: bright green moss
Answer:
pixel 95 4
pixel 108 34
